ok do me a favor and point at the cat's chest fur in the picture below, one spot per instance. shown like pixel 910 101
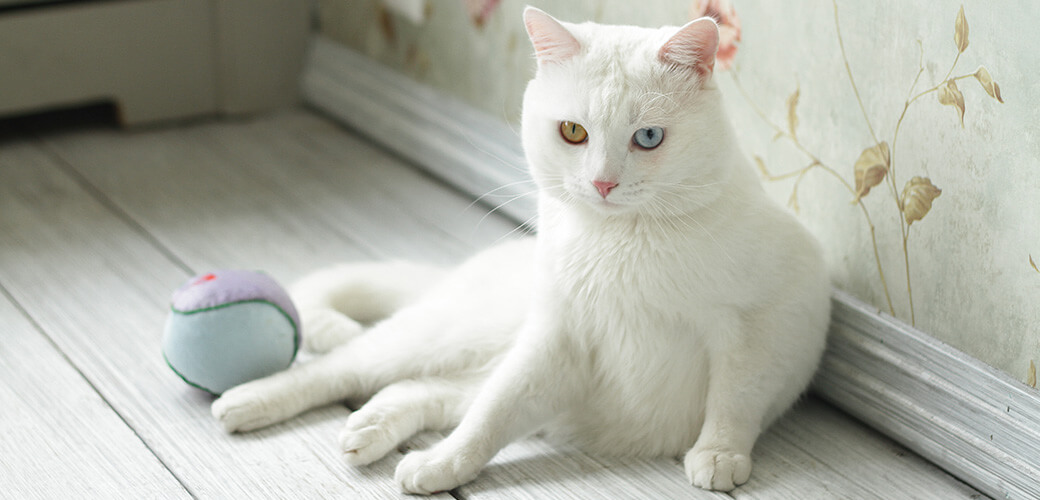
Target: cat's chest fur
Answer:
pixel 633 301
pixel 634 270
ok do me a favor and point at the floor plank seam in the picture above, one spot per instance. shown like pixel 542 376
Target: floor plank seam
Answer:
pixel 50 340
pixel 98 195
pixel 95 193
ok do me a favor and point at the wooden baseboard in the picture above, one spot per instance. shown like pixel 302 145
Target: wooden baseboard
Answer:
pixel 967 417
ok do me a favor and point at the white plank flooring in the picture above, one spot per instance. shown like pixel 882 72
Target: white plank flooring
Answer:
pixel 98 226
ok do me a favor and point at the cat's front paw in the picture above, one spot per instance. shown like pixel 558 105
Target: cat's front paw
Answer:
pixel 430 471
pixel 366 437
pixel 719 470
pixel 244 408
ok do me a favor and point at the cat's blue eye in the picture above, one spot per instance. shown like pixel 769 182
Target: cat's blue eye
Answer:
pixel 648 138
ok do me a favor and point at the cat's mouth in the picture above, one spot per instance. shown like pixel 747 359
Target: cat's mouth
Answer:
pixel 610 205
pixel 617 200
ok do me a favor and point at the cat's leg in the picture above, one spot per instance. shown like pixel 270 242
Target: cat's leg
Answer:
pixel 411 344
pixel 758 368
pixel 334 302
pixel 520 396
pixel 333 377
pixel 403 409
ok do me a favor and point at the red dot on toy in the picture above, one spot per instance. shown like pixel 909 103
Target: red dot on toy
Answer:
pixel 203 279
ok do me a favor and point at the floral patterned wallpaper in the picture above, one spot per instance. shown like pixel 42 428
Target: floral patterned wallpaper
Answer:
pixel 906 135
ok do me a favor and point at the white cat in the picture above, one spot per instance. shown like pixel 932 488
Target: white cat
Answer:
pixel 666 307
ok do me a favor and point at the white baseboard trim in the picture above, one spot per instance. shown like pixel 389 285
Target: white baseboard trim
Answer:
pixel 475 152
pixel 972 420
pixel 963 415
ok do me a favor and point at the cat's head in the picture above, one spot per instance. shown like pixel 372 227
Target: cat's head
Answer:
pixel 624 119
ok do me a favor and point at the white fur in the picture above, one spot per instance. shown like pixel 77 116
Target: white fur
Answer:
pixel 680 314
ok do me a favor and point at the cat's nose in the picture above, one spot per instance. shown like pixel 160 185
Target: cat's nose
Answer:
pixel 604 187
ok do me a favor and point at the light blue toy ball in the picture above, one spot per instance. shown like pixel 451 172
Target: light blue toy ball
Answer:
pixel 229 327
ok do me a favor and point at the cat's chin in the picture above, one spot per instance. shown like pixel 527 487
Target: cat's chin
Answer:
pixel 610 208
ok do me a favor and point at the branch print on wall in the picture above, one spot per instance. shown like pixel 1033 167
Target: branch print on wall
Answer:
pixel 1031 376
pixel 876 164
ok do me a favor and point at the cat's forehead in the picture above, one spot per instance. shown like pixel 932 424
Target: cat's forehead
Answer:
pixel 617 78
pixel 611 50
pixel 592 35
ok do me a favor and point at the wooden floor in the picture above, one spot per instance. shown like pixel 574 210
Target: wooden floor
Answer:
pixel 98 226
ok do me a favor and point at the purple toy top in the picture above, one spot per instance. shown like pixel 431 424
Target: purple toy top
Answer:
pixel 229 286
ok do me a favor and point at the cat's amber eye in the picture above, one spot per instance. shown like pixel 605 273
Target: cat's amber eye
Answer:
pixel 573 133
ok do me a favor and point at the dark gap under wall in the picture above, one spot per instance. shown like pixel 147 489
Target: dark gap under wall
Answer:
pixel 54 120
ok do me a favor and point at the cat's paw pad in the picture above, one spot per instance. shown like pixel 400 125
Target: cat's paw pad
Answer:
pixel 325 329
pixel 431 471
pixel 365 440
pixel 717 470
pixel 243 408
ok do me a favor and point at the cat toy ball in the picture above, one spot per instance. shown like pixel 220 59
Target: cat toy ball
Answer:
pixel 228 327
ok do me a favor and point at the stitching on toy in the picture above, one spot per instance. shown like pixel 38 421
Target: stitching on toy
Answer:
pixel 296 327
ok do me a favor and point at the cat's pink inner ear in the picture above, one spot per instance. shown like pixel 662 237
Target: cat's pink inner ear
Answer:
pixel 693 46
pixel 552 42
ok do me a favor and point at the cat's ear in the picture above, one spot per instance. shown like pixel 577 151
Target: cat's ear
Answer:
pixel 552 42
pixel 693 46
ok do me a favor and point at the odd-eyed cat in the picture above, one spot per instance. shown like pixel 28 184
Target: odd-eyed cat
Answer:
pixel 666 307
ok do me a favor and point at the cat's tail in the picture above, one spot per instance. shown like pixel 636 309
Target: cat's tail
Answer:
pixel 334 303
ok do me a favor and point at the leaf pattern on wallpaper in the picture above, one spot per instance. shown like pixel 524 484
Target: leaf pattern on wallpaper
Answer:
pixel 761 164
pixel 991 87
pixel 950 95
pixel 917 198
pixel 870 169
pixel 792 113
pixel 876 165
pixel 960 31
pixel 1031 378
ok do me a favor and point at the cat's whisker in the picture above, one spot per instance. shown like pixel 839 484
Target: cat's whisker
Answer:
pixel 664 220
pixel 680 186
pixel 506 186
pixel 683 220
pixel 501 160
pixel 500 205
pixel 667 221
pixel 695 186
pixel 525 228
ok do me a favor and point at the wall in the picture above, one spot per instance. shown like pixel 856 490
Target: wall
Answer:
pixel 971 279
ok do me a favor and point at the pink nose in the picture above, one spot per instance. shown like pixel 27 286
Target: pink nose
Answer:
pixel 604 187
